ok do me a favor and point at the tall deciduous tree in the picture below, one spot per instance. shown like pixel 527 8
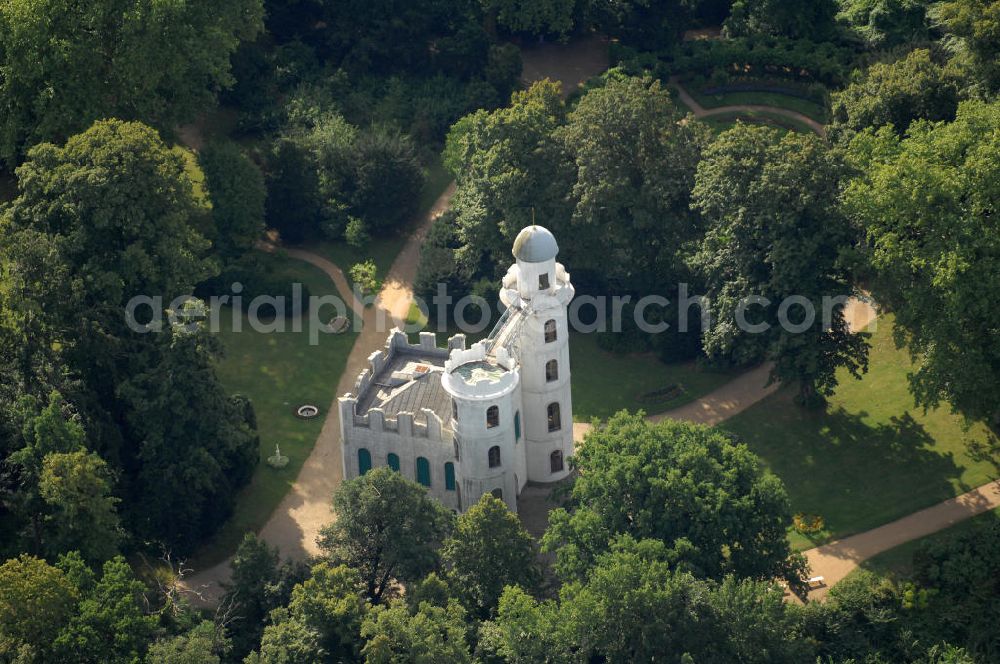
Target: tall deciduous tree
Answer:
pixel 634 607
pixel 36 601
pixel 896 93
pixel 633 165
pixel 387 528
pixel 789 18
pixel 108 217
pixel 928 205
pixel 236 187
pixel 710 501
pixel 489 549
pixel 975 28
pixel 774 251
pixel 67 64
pixel 430 634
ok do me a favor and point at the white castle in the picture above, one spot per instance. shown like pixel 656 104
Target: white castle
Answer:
pixel 468 421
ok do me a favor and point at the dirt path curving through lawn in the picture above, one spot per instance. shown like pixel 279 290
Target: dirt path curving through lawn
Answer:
pixel 295 524
pixel 702 112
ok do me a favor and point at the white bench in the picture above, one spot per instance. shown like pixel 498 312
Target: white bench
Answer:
pixel 816 582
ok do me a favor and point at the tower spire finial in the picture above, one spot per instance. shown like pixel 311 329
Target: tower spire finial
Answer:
pixel 533 216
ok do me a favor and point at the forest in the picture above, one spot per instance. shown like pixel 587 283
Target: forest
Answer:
pixel 148 148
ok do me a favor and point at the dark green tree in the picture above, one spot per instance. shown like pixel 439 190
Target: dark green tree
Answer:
pixel 155 62
pixel 709 500
pixel 321 623
pixel 896 93
pixel 633 606
pixel 633 168
pixel 110 625
pixel 489 550
pixel 974 26
pixel 387 528
pixel 776 249
pixel 927 205
pixel 887 23
pixel 202 644
pixel 429 634
pixel 788 18
pixel 236 188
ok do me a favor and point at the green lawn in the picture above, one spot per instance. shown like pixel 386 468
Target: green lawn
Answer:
pixel 804 106
pixel 604 383
pixel 279 372
pixel 872 456
pixel 282 371
pixel 898 562
pixel 723 121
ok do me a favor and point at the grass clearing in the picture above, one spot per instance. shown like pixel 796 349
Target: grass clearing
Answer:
pixel 604 383
pixel 872 456
pixel 278 372
pixel 723 121
pixel 806 107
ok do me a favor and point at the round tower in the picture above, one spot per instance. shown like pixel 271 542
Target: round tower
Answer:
pixel 539 289
pixel 486 403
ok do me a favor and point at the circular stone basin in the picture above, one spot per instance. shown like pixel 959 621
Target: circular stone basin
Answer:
pixel 307 411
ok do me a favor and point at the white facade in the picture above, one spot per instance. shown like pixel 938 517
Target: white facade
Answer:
pixel 488 419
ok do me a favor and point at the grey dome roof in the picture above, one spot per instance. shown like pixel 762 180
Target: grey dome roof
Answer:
pixel 535 244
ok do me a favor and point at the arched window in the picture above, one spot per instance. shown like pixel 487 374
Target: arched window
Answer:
pixel 393 461
pixel 550 331
pixel 551 371
pixel 423 471
pixel 497 493
pixel 517 426
pixel 494 456
pixel 556 462
pixel 364 461
pixel 555 420
pixel 449 476
pixel 492 417
pixel 543 281
pixel 454 410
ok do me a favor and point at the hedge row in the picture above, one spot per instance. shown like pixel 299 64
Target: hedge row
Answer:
pixel 796 59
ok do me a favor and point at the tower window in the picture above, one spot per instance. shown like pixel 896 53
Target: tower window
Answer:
pixel 494 456
pixel 454 410
pixel 517 425
pixel 364 461
pixel 551 371
pixel 393 461
pixel 423 471
pixel 497 493
pixel 556 462
pixel 449 476
pixel 543 281
pixel 492 417
pixel 550 331
pixel 555 421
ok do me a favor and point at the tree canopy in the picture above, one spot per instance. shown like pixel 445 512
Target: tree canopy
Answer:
pixel 775 232
pixel 926 203
pixel 707 499
pixel 67 64
pixel 387 528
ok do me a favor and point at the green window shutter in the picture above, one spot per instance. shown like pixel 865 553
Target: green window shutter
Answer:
pixel 423 471
pixel 364 461
pixel 449 476
pixel 393 461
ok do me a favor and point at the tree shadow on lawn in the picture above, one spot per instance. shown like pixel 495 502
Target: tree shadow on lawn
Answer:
pixel 855 473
